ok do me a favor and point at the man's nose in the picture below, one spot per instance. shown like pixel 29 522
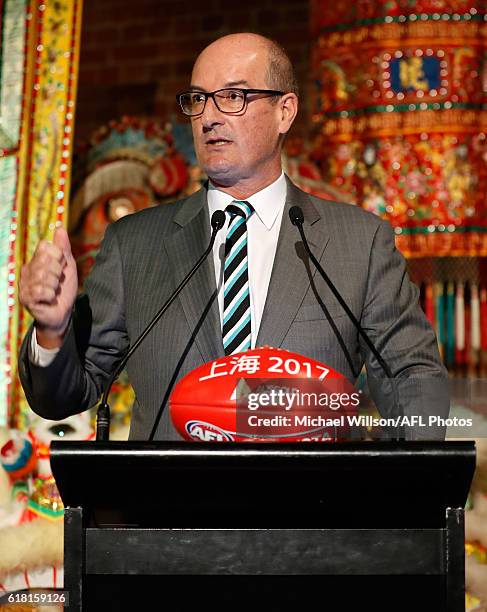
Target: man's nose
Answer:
pixel 211 115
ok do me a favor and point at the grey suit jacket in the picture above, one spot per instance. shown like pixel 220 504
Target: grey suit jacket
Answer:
pixel 144 256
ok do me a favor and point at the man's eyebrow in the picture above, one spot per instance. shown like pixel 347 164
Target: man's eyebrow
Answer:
pixel 234 83
pixel 227 84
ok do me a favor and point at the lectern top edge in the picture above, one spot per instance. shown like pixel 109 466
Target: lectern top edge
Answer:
pixel 243 450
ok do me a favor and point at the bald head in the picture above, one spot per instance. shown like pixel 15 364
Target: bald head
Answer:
pixel 279 73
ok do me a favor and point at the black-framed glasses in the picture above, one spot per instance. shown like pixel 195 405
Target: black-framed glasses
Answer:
pixel 227 100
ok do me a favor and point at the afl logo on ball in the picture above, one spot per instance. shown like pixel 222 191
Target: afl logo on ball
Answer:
pixel 206 432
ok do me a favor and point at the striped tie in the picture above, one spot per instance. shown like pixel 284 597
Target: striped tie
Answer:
pixel 236 301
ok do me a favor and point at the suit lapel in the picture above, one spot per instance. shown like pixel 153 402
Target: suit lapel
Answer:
pixel 289 280
pixel 198 298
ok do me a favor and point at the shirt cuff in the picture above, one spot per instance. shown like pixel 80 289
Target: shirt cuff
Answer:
pixel 38 355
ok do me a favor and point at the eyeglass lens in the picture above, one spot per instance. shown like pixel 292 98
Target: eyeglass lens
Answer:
pixel 226 100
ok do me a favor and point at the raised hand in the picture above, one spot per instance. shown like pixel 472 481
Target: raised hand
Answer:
pixel 48 287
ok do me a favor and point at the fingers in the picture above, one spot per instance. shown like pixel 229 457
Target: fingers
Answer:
pixel 45 268
pixel 46 278
pixel 47 251
pixel 37 287
pixel 48 261
pixel 43 294
pixel 40 279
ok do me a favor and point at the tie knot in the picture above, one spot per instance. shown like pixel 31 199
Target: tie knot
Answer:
pixel 239 208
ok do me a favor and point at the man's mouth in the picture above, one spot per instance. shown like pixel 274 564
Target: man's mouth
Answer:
pixel 217 142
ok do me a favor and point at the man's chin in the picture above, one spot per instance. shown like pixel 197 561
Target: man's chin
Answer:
pixel 220 174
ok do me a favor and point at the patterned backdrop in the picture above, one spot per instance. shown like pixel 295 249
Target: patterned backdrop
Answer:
pixel 399 108
pixel 38 66
pixel 399 117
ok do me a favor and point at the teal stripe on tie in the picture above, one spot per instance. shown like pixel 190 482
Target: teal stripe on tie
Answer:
pixel 233 254
pixel 235 278
pixel 242 298
pixel 243 347
pixel 235 332
pixel 247 208
pixel 238 222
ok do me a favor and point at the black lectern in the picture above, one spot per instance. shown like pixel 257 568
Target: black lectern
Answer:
pixel 393 510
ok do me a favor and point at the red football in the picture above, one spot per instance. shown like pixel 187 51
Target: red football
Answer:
pixel 264 394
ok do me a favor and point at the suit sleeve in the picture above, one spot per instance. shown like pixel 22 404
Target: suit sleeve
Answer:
pixel 398 327
pixel 95 343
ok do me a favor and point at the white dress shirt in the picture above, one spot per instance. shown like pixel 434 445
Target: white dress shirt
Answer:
pixel 38 355
pixel 262 233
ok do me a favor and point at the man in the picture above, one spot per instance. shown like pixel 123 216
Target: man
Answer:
pixel 242 101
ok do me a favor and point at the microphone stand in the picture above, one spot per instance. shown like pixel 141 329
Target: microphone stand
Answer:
pixel 297 219
pixel 103 413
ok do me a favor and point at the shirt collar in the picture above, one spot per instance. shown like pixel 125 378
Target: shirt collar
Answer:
pixel 267 203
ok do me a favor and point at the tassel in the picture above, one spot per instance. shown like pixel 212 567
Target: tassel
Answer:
pixel 474 329
pixel 450 324
pixel 475 314
pixel 440 317
pixel 468 322
pixel 483 332
pixel 459 324
pixel 483 318
pixel 429 304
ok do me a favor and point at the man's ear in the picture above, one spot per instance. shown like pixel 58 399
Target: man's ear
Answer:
pixel 288 107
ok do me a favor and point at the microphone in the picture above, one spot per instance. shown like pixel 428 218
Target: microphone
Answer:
pixel 103 413
pixel 297 218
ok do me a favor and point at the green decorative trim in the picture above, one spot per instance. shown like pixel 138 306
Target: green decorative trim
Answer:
pixel 12 72
pixel 43 510
pixel 19 486
pixel 388 19
pixel 444 230
pixel 8 180
pixel 405 108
